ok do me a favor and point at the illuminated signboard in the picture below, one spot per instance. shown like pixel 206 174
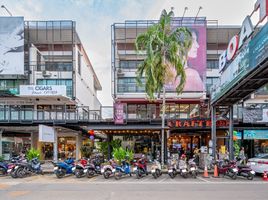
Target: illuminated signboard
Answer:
pixel 196 123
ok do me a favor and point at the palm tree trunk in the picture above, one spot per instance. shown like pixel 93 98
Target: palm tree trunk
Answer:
pixel 163 127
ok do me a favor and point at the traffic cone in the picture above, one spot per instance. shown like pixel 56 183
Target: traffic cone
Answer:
pixel 265 176
pixel 206 172
pixel 216 173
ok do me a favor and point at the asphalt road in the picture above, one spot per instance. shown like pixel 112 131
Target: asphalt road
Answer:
pixel 48 187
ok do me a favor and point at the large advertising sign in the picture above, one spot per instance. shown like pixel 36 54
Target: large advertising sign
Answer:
pixel 11 45
pixel 195 63
pixel 43 90
pixel 46 134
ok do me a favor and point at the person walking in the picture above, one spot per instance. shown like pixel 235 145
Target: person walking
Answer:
pixel 242 155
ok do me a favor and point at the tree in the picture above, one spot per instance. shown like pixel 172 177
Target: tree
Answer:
pixel 166 48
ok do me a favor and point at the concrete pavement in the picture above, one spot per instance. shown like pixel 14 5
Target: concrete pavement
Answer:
pixel 130 188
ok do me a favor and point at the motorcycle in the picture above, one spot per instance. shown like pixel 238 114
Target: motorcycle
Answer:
pixel 227 168
pixel 156 169
pixel 108 170
pixel 183 168
pixel 124 169
pixel 25 169
pixel 173 168
pixel 63 168
pixel 244 170
pixel 80 168
pixel 192 168
pixel 94 167
pixel 9 168
pixel 140 168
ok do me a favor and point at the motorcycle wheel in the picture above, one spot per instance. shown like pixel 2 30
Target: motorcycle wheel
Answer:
pixel 250 176
pixel 117 175
pixel 184 175
pixel 138 174
pixel 158 172
pixel 60 173
pixel 172 174
pixel 194 174
pixel 20 172
pixel 3 172
pixel 234 176
pixel 90 173
pixel 13 174
pixel 107 174
pixel 78 173
pixel 155 175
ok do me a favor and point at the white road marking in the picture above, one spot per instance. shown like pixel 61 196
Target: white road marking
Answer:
pixel 204 179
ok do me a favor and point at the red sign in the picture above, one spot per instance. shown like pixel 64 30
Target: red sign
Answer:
pixel 196 123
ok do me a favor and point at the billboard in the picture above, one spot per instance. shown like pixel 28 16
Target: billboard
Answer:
pixel 119 113
pixel 195 63
pixel 255 115
pixel 11 45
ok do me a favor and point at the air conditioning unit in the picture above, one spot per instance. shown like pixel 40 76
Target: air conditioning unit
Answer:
pixel 120 72
pixel 46 73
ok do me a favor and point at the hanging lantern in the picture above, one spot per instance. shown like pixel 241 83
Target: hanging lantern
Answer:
pixel 91 137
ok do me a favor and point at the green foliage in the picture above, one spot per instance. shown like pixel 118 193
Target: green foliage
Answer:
pixel 121 154
pixel 86 151
pixel 166 51
pixel 1 158
pixel 236 148
pixel 33 153
pixel 103 146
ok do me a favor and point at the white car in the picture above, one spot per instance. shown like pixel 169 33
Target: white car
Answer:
pixel 259 164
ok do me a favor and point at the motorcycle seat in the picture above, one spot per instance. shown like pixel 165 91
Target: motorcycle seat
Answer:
pixel 242 166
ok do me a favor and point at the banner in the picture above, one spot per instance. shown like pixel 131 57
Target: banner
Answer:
pixel 11 45
pixel 195 64
pixel 119 113
pixel 255 115
pixel 46 134
pixel 43 90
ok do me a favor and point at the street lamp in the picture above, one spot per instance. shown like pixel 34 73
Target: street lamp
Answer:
pixel 4 7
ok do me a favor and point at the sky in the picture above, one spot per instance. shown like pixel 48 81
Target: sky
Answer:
pixel 95 17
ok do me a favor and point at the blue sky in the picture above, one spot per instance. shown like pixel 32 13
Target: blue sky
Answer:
pixel 94 18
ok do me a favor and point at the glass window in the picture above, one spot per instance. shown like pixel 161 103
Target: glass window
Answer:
pixel 67 82
pixel 184 111
pixel 212 64
pixel 129 64
pixel 79 63
pixel 129 84
pixel 132 111
pixel 210 81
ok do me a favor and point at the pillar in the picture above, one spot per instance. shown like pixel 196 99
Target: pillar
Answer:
pixel 231 130
pixel 1 148
pixel 109 139
pixel 78 145
pixel 165 148
pixel 213 131
pixel 55 146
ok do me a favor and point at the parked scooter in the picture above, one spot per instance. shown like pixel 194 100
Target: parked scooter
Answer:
pixel 173 168
pixel 108 170
pixel 8 168
pixel 63 168
pixel 183 168
pixel 26 169
pixel 192 168
pixel 140 168
pixel 94 167
pixel 244 170
pixel 156 169
pixel 80 168
pixel 227 168
pixel 124 169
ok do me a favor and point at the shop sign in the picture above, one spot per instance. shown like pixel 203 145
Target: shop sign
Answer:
pixel 196 123
pixel 255 115
pixel 46 134
pixel 43 90
pixel 255 134
pixel 119 113
pixel 234 68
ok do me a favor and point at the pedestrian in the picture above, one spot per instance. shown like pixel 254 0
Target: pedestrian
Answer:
pixel 242 156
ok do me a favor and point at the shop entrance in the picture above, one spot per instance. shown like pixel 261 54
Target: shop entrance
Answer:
pixel 66 147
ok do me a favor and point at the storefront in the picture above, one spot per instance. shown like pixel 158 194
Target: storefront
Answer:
pixel 13 144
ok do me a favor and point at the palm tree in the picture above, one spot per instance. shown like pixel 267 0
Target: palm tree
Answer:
pixel 166 48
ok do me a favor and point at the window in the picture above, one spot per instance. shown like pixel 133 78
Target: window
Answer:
pixel 211 81
pixel 11 85
pixel 129 85
pixel 79 63
pixel 58 66
pixel 129 64
pixel 67 82
pixel 212 64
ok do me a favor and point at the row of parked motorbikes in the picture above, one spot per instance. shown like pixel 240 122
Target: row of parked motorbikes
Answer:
pixel 19 167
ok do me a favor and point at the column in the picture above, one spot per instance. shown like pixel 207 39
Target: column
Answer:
pixel 231 129
pixel 1 149
pixel 55 146
pixel 213 131
pixel 78 145
pixel 165 147
pixel 109 139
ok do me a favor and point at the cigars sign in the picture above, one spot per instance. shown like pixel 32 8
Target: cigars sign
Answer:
pixel 196 123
